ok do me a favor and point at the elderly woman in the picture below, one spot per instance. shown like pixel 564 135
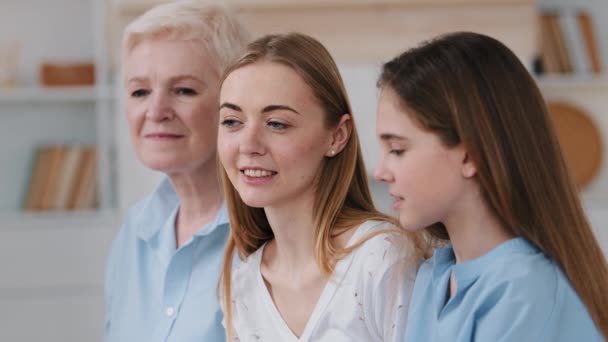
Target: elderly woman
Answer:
pixel 163 269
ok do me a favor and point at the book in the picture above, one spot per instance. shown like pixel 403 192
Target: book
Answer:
pixel 38 178
pixel 557 35
pixel 67 177
pixel 581 63
pixel 83 193
pixel 585 24
pixel 47 195
pixel 548 48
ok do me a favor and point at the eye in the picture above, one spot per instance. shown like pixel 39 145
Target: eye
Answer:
pixel 139 93
pixel 277 125
pixel 185 91
pixel 230 123
pixel 396 152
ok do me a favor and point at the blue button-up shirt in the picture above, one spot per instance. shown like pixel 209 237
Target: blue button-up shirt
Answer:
pixel 155 292
pixel 514 293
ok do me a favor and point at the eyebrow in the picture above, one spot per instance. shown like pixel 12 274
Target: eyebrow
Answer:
pixel 172 79
pixel 231 106
pixel 272 108
pixel 391 136
pixel 186 77
pixel 266 109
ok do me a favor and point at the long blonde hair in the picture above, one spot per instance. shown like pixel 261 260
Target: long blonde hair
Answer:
pixel 471 89
pixel 342 198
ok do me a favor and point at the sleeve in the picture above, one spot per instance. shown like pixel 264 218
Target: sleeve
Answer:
pixel 109 282
pixel 392 272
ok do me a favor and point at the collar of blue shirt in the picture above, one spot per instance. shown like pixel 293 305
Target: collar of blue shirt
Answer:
pixel 469 271
pixel 163 203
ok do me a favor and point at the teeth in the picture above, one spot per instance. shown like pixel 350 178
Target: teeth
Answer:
pixel 257 173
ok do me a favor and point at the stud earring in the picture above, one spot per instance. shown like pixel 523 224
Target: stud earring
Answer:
pixel 333 153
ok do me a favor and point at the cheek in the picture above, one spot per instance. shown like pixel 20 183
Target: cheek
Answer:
pixel 135 127
pixel 412 171
pixel 304 158
pixel 226 149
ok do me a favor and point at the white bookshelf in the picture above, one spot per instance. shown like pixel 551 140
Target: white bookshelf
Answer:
pixel 53 262
pixel 32 115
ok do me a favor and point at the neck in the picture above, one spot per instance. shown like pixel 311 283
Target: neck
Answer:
pixel 474 230
pixel 293 229
pixel 200 200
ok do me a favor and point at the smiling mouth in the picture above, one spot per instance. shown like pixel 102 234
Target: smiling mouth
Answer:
pixel 163 136
pixel 258 173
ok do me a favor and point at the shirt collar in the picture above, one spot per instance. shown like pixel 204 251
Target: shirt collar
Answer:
pixel 161 206
pixel 444 258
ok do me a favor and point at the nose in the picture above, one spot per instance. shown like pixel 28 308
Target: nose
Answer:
pixel 159 107
pixel 381 173
pixel 252 140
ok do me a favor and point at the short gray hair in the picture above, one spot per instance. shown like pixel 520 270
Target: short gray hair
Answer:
pixel 206 23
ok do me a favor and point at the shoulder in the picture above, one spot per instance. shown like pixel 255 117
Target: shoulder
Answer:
pixel 530 277
pixel 246 275
pixel 385 252
pixel 384 239
pixel 136 216
pixel 531 288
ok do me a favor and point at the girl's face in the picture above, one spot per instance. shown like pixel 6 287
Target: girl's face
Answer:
pixel 272 138
pixel 426 179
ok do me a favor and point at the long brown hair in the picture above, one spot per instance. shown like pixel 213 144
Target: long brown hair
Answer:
pixel 342 197
pixel 471 89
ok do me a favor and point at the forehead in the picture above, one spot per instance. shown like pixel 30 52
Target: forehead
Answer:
pixel 392 117
pixel 164 58
pixel 269 81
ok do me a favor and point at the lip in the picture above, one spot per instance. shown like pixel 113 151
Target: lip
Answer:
pixel 163 136
pixel 397 200
pixel 256 180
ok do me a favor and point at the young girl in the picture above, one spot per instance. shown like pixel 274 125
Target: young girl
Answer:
pixel 469 153
pixel 320 262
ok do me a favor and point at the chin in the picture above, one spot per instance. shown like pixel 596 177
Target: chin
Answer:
pixel 164 165
pixel 409 225
pixel 254 202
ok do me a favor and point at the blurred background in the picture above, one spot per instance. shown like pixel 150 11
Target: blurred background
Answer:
pixel 67 171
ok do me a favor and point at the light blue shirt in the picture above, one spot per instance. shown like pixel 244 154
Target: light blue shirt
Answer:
pixel 513 293
pixel 155 292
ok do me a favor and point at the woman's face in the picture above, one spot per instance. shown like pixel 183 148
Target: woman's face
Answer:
pixel 272 138
pixel 172 105
pixel 426 179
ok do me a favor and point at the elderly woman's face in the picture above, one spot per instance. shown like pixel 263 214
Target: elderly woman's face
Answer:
pixel 172 105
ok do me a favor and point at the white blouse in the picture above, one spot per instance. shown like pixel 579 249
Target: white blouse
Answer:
pixel 366 299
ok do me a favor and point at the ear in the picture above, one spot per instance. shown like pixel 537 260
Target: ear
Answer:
pixel 469 169
pixel 340 135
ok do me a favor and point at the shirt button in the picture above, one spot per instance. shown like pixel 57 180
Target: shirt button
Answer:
pixel 170 311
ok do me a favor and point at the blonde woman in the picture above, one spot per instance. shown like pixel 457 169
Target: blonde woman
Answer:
pixel 165 263
pixel 320 263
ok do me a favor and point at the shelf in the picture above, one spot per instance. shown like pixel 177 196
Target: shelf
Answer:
pixel 54 95
pixel 131 7
pixel 60 219
pixel 572 81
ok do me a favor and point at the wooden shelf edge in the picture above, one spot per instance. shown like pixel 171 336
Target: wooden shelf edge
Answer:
pixel 572 81
pixel 134 7
pixel 87 219
pixel 38 94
